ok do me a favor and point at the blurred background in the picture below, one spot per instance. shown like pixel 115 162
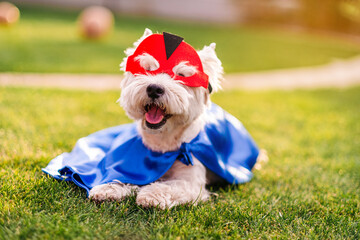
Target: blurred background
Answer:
pixel 252 35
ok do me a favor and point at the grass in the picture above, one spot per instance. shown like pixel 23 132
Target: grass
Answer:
pixel 47 40
pixel 310 188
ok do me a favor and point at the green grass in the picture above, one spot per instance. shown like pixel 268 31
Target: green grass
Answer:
pixel 310 188
pixel 48 41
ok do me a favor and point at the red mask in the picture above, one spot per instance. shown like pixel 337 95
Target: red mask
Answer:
pixel 169 50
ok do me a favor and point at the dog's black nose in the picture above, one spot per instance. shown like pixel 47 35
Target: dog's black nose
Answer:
pixel 154 91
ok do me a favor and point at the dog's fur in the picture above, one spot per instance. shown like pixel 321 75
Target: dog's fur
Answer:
pixel 181 184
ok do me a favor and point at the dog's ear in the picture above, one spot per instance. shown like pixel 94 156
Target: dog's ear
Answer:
pixel 131 50
pixel 212 66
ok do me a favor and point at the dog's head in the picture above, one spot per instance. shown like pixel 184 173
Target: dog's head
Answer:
pixel 167 83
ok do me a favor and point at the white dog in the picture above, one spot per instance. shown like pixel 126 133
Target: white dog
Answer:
pixel 168 113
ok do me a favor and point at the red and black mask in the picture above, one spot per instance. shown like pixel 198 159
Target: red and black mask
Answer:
pixel 169 50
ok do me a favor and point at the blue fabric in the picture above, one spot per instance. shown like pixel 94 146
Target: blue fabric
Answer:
pixel 118 154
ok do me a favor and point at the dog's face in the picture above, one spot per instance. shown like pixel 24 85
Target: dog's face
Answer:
pixel 159 99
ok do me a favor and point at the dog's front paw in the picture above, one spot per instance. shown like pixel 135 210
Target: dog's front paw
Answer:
pixel 155 195
pixel 111 191
pixel 171 193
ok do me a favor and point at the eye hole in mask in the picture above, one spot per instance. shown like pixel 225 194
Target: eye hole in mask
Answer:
pixel 147 62
pixel 183 69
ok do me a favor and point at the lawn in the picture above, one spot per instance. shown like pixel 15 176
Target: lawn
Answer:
pixel 47 41
pixel 309 189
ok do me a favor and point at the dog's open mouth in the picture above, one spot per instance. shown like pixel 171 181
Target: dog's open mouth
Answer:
pixel 155 116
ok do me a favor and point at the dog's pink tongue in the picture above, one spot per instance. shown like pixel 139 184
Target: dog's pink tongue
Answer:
pixel 154 115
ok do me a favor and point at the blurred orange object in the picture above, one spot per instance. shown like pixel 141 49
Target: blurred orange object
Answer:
pixel 95 22
pixel 9 13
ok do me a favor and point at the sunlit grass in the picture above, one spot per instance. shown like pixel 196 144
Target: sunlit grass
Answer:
pixel 48 41
pixel 309 189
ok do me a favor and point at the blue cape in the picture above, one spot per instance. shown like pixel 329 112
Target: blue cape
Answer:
pixel 118 154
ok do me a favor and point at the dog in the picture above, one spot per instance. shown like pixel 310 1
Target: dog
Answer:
pixel 168 113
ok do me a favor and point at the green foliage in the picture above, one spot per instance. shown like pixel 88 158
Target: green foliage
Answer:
pixel 309 189
pixel 48 41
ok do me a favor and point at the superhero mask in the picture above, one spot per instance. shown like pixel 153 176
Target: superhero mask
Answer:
pixel 169 50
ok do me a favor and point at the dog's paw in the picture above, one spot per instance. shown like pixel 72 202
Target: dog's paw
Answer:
pixel 155 195
pixel 111 191
pixel 169 194
pixel 262 159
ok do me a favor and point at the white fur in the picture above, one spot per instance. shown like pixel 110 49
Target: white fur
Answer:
pixel 148 62
pixel 130 51
pixel 113 191
pixel 181 184
pixel 184 69
pixel 212 66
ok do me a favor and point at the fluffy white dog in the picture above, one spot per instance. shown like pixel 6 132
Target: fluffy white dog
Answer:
pixel 168 114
